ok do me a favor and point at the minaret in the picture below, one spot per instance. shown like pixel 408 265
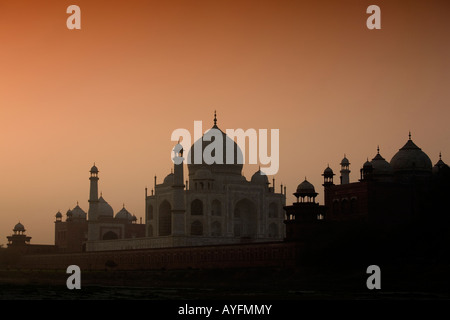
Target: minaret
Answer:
pixel 93 194
pixel 345 171
pixel 178 209
pixel 328 177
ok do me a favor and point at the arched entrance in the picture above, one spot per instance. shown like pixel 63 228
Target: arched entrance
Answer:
pixel 165 219
pixel 110 236
pixel 245 219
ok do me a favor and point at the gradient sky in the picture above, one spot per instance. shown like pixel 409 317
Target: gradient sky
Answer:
pixel 113 92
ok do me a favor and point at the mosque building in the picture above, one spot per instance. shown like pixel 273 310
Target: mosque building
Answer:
pixel 100 223
pixel 406 189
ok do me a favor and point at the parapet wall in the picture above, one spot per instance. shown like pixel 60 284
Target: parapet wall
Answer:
pixel 276 254
pixel 167 242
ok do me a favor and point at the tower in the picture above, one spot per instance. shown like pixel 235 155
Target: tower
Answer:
pixel 178 210
pixel 302 216
pixel 345 171
pixel 18 239
pixel 93 194
pixel 328 177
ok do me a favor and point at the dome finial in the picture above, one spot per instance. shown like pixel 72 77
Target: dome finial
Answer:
pixel 215 118
pixel 440 156
pixel 378 149
pixel 409 134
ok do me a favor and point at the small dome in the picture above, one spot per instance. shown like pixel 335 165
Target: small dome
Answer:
pixel 58 214
pixel 94 169
pixel 69 213
pixel 345 161
pixel 203 174
pixel 328 171
pixel 410 158
pixel 260 178
pixel 367 165
pixel 78 213
pixel 19 227
pixel 440 166
pixel 380 165
pixel 169 179
pixel 124 215
pixel 306 187
pixel 104 209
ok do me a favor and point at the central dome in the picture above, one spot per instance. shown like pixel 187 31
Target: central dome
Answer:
pixel 124 215
pixel 219 154
pixel 78 213
pixel 410 158
pixel 104 209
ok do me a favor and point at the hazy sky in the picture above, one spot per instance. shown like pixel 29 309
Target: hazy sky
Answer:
pixel 113 92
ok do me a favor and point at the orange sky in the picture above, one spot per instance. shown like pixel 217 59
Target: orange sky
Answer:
pixel 114 91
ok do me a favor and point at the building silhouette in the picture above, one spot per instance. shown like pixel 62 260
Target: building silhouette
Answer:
pixel 406 190
pixel 215 217
pixel 19 243
pixel 100 223
pixel 215 204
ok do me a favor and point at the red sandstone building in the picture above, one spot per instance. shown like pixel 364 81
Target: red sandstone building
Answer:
pixel 408 188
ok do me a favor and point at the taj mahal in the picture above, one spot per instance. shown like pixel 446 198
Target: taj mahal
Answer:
pixel 212 204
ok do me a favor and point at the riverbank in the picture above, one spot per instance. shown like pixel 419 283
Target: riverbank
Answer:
pixel 398 283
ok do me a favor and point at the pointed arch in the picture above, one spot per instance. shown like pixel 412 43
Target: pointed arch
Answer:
pixel 273 230
pixel 216 229
pixel 149 212
pixel 273 210
pixel 196 228
pixel 110 236
pixel 165 219
pixel 216 208
pixel 197 207
pixel 245 219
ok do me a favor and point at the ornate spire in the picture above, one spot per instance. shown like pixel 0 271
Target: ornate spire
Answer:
pixel 215 118
pixel 378 149
pixel 409 135
pixel 440 156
